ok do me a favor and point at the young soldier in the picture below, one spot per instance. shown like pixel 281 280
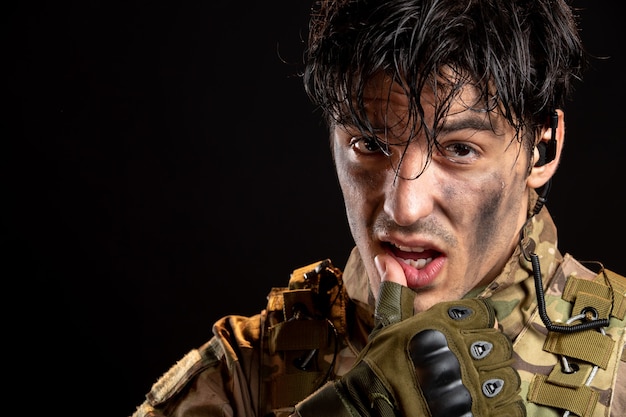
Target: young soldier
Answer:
pixel 446 125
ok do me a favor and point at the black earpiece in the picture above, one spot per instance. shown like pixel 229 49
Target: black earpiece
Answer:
pixel 547 151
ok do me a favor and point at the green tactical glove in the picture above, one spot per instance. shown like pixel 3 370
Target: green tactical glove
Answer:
pixel 447 361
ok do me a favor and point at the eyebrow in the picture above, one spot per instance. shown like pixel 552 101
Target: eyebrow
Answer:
pixel 476 122
pixel 471 122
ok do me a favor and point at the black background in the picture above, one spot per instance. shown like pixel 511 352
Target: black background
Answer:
pixel 162 167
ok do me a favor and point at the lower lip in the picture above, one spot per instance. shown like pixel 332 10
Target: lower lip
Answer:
pixel 420 278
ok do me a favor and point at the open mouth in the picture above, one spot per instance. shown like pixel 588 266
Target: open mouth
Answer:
pixel 416 257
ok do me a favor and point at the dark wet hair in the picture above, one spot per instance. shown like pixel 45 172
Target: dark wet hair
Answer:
pixel 521 55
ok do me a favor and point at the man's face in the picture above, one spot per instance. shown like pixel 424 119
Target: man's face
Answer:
pixel 453 226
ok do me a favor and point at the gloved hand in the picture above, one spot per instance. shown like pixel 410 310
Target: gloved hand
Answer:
pixel 444 362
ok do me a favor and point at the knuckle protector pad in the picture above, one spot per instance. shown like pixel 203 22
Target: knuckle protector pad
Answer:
pixel 463 364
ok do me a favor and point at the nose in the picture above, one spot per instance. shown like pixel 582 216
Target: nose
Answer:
pixel 409 196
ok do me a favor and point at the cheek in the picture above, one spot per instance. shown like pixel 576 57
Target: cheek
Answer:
pixel 363 195
pixel 489 210
pixel 359 186
pixel 352 190
pixel 488 219
pixel 360 200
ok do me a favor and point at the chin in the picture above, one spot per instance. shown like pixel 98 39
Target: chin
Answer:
pixel 427 298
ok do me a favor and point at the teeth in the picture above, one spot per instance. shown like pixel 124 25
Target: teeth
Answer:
pixel 418 249
pixel 419 264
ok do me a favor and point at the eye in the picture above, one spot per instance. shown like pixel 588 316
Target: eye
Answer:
pixel 459 152
pixel 369 145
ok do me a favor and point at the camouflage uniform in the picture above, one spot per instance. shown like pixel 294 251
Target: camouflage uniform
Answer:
pixel 262 365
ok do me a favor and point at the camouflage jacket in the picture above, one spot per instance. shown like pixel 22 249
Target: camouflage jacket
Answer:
pixel 313 329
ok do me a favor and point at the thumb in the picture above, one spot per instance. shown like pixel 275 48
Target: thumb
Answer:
pixel 395 299
pixel 389 269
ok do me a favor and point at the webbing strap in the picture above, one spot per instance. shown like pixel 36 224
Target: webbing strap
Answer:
pixel 586 300
pixel 571 379
pixel 298 335
pixel 288 389
pixel 580 401
pixel 298 302
pixel 589 345
pixel 618 283
pixel 615 294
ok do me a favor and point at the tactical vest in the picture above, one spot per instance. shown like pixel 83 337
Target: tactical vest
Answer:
pixel 563 374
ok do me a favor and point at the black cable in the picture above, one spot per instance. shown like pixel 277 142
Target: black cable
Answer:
pixel 593 324
pixel 543 197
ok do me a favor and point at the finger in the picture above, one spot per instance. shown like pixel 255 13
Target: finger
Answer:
pixel 389 269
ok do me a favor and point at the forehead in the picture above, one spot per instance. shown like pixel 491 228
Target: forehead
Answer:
pixel 387 102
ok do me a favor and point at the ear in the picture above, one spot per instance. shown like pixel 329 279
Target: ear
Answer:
pixel 542 171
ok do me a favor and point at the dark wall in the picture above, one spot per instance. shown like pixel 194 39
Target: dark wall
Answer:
pixel 163 167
